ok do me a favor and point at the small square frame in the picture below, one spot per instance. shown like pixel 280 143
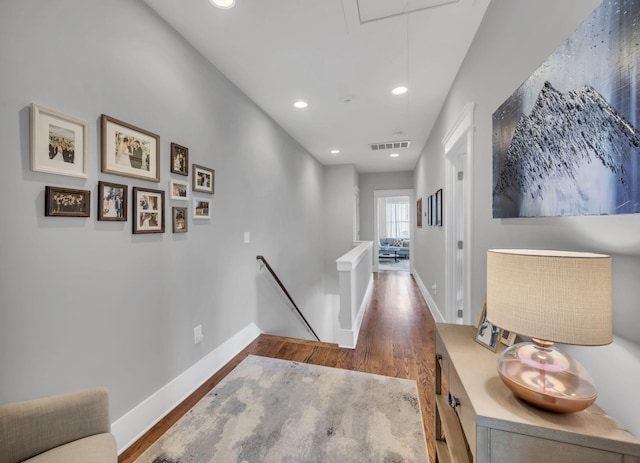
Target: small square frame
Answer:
pixel 59 143
pixel 121 156
pixel 203 179
pixel 148 210
pixel 66 202
pixel 179 219
pixel 201 208
pixel 179 159
pixel 178 190
pixel 487 334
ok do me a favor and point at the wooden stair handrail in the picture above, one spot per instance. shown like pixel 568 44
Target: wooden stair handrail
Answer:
pixel 284 290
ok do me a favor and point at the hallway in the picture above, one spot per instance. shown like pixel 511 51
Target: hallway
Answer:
pixel 397 339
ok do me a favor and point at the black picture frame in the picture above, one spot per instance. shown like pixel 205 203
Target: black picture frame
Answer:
pixel 439 208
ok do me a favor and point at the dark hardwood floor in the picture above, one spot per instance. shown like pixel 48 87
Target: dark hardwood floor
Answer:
pixel 397 339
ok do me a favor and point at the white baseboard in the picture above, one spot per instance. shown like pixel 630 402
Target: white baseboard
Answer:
pixel 433 307
pixel 133 424
pixel 349 338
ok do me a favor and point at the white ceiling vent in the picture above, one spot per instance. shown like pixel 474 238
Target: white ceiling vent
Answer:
pixel 390 145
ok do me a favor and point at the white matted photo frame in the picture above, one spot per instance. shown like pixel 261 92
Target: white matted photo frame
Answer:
pixel 179 218
pixel 203 179
pixel 178 190
pixel 179 159
pixel 201 208
pixel 487 334
pixel 112 201
pixel 59 143
pixel 129 151
pixel 148 210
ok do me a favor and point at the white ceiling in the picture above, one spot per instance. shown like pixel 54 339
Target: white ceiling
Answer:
pixel 342 56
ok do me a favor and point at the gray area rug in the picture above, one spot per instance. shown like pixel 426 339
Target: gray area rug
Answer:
pixel 269 410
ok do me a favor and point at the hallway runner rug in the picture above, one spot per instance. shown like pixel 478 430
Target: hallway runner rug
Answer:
pixel 270 410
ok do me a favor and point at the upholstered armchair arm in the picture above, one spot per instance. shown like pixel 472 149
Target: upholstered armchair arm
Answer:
pixel 35 426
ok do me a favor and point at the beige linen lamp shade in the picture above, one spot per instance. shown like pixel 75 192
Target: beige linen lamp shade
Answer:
pixel 550 296
pixel 557 296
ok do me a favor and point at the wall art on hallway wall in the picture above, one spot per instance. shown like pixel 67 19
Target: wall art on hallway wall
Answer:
pixel 112 201
pixel 130 151
pixel 179 159
pixel 201 208
pixel 203 179
pixel 567 142
pixel 58 143
pixel 148 210
pixel 66 202
pixel 180 219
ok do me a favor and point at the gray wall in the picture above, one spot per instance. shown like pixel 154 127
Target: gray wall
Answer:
pixel 339 204
pixel 513 40
pixel 378 181
pixel 85 303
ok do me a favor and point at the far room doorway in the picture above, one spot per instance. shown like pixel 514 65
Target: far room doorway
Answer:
pixel 393 229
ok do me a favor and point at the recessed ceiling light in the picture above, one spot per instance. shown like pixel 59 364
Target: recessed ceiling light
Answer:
pixel 399 90
pixel 224 4
pixel 394 155
pixel 300 104
pixel 335 151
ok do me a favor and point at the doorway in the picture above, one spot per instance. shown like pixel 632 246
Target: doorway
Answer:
pixel 393 229
pixel 458 146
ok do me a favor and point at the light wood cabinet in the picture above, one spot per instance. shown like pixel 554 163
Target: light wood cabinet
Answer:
pixel 479 420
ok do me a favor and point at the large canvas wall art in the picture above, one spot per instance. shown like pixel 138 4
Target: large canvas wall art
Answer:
pixel 567 142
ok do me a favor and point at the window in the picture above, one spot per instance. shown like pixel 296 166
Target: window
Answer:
pixel 397 217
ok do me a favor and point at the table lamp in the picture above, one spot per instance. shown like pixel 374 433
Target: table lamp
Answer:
pixel 549 296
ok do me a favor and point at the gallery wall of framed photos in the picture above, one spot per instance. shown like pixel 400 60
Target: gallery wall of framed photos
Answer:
pixel 59 145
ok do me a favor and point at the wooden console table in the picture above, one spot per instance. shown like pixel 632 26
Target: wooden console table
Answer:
pixel 481 421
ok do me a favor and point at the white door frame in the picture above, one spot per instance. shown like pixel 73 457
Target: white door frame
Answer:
pixel 377 194
pixel 458 153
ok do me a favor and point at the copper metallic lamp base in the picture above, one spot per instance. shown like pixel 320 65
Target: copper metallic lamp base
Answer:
pixel 541 375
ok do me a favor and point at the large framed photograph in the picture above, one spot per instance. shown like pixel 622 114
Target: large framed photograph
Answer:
pixel 203 179
pixel 112 201
pixel 179 219
pixel 179 159
pixel 129 151
pixel 429 211
pixel 179 190
pixel 419 213
pixel 201 208
pixel 488 334
pixel 148 210
pixel 59 143
pixel 66 202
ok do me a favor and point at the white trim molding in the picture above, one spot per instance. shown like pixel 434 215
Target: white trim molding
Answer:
pixel 133 424
pixel 458 152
